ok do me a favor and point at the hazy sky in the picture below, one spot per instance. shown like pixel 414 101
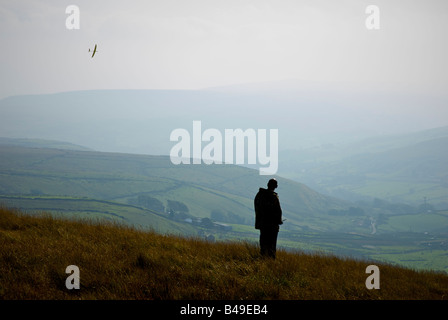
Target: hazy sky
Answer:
pixel 192 44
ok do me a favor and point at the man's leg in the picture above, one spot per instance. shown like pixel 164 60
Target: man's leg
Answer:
pixel 268 242
pixel 273 243
pixel 263 242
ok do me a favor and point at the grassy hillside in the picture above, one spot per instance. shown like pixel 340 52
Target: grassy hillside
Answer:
pixel 119 262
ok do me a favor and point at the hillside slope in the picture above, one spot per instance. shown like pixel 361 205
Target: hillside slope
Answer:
pixel 403 168
pixel 122 178
pixel 118 262
pixel 76 207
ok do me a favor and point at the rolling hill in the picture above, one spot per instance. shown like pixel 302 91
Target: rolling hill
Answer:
pixel 214 202
pixel 140 121
pixel 227 190
pixel 409 168
pixel 336 142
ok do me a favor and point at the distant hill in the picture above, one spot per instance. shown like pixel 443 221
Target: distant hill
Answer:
pixel 327 134
pixel 41 143
pixel 221 192
pixel 406 168
pixel 140 121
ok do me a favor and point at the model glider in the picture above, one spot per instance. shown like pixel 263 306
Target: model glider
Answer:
pixel 94 51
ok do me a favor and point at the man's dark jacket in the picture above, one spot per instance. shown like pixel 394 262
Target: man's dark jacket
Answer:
pixel 268 213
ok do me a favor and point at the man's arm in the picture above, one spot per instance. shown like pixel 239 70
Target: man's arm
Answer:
pixel 279 211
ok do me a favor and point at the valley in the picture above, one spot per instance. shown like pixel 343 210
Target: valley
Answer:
pixel 215 203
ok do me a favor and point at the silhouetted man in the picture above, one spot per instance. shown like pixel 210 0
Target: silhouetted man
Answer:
pixel 268 217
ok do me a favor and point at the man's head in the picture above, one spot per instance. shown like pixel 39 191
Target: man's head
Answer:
pixel 272 184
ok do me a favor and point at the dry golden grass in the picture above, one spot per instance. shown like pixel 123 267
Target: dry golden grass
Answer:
pixel 119 262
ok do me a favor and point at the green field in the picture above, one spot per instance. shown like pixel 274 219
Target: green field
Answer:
pixel 423 222
pixel 98 209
